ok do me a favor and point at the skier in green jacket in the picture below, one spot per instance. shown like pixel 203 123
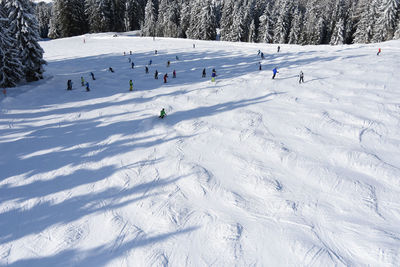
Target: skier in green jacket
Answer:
pixel 162 113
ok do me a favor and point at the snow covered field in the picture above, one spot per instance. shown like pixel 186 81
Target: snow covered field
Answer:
pixel 247 171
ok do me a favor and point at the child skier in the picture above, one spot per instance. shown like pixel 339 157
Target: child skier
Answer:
pixel 82 81
pixel 130 85
pixel 146 69
pixel 204 73
pixel 162 114
pixel 174 74
pixel 87 87
pixel 93 78
pixel 379 52
pixel 301 75
pixel 259 66
pixel 133 65
pixel 151 61
pixel 156 75
pixel 213 75
pixel 274 71
pixel 165 77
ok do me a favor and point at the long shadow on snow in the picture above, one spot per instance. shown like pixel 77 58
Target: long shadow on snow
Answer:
pixel 101 255
pixel 17 223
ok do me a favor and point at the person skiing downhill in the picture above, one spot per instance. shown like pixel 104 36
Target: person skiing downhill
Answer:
pixel 379 52
pixel 162 114
pixel 301 76
pixel 133 65
pixel 93 78
pixel 151 61
pixel 204 73
pixel 130 85
pixel 110 69
pixel 82 81
pixel 156 75
pixel 275 71
pixel 174 74
pixel 87 87
pixel 146 69
pixel 279 48
pixel 262 56
pixel 69 85
pixel 259 51
pixel 165 77
pixel 213 75
pixel 259 66
pixel 168 63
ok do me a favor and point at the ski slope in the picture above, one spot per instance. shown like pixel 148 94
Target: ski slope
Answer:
pixel 247 171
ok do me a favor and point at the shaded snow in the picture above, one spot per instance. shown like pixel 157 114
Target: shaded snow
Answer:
pixel 247 171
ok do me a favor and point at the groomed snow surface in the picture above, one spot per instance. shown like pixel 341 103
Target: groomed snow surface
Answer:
pixel 247 171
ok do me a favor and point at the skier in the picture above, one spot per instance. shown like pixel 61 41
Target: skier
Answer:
pixel 147 69
pixel 130 52
pixel 168 63
pixel 156 75
pixel 93 78
pixel 213 75
pixel 275 71
pixel 82 81
pixel 259 52
pixel 301 75
pixel 124 53
pixel 151 61
pixel 177 58
pixel 133 65
pixel 259 67
pixel 69 85
pixel 130 85
pixel 262 56
pixel 379 52
pixel 165 77
pixel 162 114
pixel 279 48
pixel 174 74
pixel 204 73
pixel 194 46
pixel 110 69
pixel 87 87
pixel 129 60
pixel 155 52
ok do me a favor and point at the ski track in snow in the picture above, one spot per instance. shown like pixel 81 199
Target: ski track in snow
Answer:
pixel 246 171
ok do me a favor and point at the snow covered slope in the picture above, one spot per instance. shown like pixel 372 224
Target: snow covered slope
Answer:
pixel 247 171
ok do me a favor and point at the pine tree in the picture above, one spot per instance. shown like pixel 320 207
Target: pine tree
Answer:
pixel 252 32
pixel 295 31
pixel 71 18
pixel 54 26
pixel 227 20
pixel 282 25
pixel 43 14
pixel 367 13
pixel 149 26
pixel 208 21
pixel 184 19
pixel 24 26
pixel 387 20
pixel 266 26
pixel 11 69
pixel 98 15
pixel 195 30
pixel 397 33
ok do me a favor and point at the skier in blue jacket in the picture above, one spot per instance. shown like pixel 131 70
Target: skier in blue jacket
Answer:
pixel 275 71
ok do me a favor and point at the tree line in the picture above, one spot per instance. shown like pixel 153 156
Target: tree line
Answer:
pixel 265 21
